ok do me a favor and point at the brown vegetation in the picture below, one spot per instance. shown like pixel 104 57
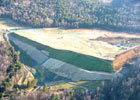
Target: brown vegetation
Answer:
pixel 121 60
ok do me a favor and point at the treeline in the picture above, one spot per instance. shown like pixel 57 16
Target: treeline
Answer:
pixel 119 15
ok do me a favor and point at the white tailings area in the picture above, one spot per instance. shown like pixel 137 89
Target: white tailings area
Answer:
pixel 59 67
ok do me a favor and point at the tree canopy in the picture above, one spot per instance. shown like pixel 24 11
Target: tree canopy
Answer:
pixel 117 15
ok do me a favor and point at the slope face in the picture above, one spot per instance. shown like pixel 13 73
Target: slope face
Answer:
pixel 72 72
pixel 71 57
pixel 61 68
pixel 30 50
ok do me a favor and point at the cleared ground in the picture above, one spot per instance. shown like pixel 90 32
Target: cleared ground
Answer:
pixel 77 40
pixel 82 61
pixel 81 41
pixel 62 68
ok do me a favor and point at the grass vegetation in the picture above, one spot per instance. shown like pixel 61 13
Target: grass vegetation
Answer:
pixel 66 86
pixel 82 61
pixel 79 82
pixel 79 85
pixel 36 73
pixel 94 84
pixel 62 86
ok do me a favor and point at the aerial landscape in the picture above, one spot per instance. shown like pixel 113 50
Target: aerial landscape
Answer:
pixel 69 50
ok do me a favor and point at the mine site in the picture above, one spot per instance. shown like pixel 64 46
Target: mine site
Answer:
pixel 61 56
pixel 69 50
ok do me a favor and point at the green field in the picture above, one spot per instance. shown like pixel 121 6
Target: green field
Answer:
pixel 80 60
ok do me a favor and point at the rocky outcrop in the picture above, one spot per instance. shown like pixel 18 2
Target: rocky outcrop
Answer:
pixel 121 59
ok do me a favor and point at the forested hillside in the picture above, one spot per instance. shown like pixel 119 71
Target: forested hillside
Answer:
pixel 9 66
pixel 117 15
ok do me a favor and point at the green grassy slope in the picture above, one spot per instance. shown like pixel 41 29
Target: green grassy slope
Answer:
pixel 82 61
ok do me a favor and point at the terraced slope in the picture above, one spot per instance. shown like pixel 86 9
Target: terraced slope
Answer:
pixel 59 67
pixel 80 60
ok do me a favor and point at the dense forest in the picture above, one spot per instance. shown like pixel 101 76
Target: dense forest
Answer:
pixel 9 66
pixel 119 15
